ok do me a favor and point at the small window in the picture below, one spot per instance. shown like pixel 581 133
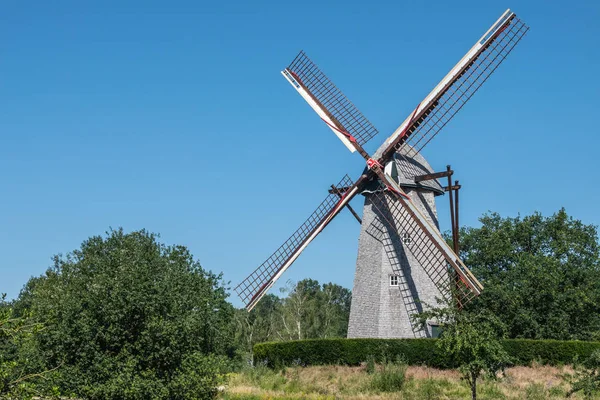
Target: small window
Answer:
pixel 406 239
pixel 393 280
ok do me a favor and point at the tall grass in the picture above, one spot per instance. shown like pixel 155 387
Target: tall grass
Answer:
pixel 391 377
pixel 392 381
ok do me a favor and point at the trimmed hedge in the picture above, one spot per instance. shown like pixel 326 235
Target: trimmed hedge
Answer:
pixel 413 351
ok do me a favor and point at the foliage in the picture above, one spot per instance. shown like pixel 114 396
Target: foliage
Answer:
pixel 541 274
pixel 370 365
pixel 391 377
pixel 17 379
pixel 307 310
pixel 341 351
pixel 198 377
pixel 345 382
pixel 131 318
pixel 313 311
pixel 587 376
pixel 551 352
pixel 346 351
pixel 259 325
pixel 469 341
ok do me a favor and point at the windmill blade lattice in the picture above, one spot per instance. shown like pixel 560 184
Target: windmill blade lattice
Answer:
pixel 341 110
pixel 430 121
pixel 396 210
pixel 437 264
pixel 251 289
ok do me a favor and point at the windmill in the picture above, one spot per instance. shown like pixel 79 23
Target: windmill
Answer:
pixel 403 259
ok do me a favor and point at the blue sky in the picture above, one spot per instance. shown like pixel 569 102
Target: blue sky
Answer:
pixel 172 116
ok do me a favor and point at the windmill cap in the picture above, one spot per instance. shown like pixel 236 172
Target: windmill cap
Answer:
pixel 404 167
pixel 408 167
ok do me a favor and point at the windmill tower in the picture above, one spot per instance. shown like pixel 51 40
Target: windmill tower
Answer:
pixel 389 285
pixel 400 242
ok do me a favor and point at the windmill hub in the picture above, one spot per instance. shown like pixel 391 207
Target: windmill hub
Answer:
pixel 403 261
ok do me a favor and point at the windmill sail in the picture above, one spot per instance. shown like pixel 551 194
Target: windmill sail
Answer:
pixel 255 286
pixel 427 246
pixel 457 87
pixel 329 102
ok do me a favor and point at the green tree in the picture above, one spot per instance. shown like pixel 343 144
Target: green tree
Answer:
pixel 298 314
pixel 311 311
pixel 470 341
pixel 259 325
pixel 17 378
pixel 541 274
pixel 131 318
pixel 334 310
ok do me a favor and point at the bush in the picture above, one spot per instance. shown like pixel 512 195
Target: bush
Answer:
pixel 390 378
pixel 552 352
pixel 413 351
pixel 370 365
pixel 587 376
pixel 130 318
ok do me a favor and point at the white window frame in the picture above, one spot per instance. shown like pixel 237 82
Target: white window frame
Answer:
pixel 394 280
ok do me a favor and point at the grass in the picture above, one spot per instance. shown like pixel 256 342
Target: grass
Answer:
pixel 391 377
pixel 392 381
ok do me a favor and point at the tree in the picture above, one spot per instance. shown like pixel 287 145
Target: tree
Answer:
pixel 541 274
pixel 299 309
pixel 334 310
pixel 308 311
pixel 470 341
pixel 259 325
pixel 131 318
pixel 311 311
pixel 16 376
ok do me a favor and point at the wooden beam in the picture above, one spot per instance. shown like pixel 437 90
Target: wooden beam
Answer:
pixel 339 193
pixel 455 187
pixel 452 209
pixel 456 245
pixel 435 175
pixel 341 190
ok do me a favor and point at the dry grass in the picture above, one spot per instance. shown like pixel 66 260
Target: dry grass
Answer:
pixel 353 383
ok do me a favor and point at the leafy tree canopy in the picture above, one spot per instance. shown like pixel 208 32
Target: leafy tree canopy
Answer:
pixel 541 274
pixel 309 310
pixel 470 340
pixel 130 318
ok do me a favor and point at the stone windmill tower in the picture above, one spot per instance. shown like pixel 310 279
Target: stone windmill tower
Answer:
pixel 403 260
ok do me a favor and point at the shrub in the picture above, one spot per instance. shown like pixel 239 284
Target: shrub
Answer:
pixel 413 351
pixel 536 391
pixel 390 378
pixel 587 376
pixel 370 365
pixel 129 318
pixel 552 352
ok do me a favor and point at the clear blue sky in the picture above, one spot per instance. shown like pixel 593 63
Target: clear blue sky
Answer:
pixel 173 116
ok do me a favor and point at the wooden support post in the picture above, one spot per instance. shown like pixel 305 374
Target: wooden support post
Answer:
pixel 435 175
pixel 450 195
pixel 337 191
pixel 456 243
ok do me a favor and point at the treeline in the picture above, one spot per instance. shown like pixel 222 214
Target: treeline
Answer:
pixel 307 310
pixel 541 277
pixel 122 317
pixel 127 317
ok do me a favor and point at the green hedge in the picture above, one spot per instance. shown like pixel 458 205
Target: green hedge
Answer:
pixel 413 351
